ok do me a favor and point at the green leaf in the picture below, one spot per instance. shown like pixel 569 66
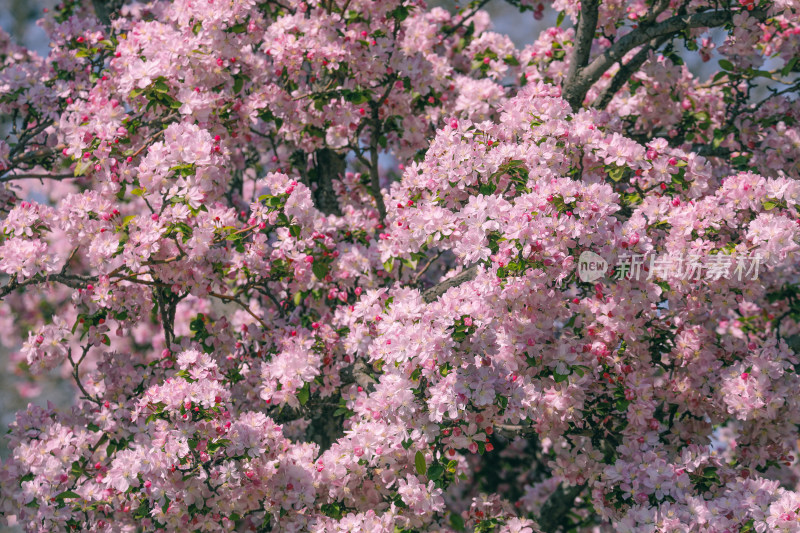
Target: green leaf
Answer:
pixel 616 173
pixel 719 136
pixel 77 469
pixel 81 168
pixel 160 85
pixel 457 522
pixel 67 494
pixel 333 510
pixel 435 471
pixel 304 393
pixel 238 83
pixel 399 13
pixel 238 28
pixel 214 446
pixel 559 377
pixel 503 401
pixel 357 97
pixel 790 66
pixel 769 205
pixel 487 188
pixel 320 269
pixel 560 18
pixel 419 463
pixel 725 64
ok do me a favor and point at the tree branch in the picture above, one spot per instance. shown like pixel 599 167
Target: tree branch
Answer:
pixel 626 71
pixel 555 510
pixel 12 177
pixel 575 89
pixel 432 294
pixel 450 31
pixel 105 9
pixel 329 166
pixel 374 181
pixel 75 282
pixel 587 25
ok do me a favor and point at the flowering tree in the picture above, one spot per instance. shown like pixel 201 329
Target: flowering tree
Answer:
pixel 313 266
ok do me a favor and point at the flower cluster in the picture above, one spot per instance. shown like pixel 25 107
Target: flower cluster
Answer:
pixel 314 267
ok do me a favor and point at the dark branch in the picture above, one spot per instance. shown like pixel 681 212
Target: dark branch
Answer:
pixel 575 90
pixel 450 31
pixel 555 511
pixel 374 181
pixel 105 9
pixel 432 294
pixel 587 25
pixel 12 177
pixel 76 282
pixel 330 166
pixel 626 71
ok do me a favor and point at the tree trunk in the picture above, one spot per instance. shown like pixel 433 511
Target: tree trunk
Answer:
pixel 329 167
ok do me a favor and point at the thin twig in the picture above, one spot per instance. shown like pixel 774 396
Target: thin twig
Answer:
pixel 450 31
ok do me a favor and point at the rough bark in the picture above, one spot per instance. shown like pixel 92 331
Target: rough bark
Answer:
pixel 587 26
pixel 626 71
pixel 432 294
pixel 330 165
pixel 575 89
